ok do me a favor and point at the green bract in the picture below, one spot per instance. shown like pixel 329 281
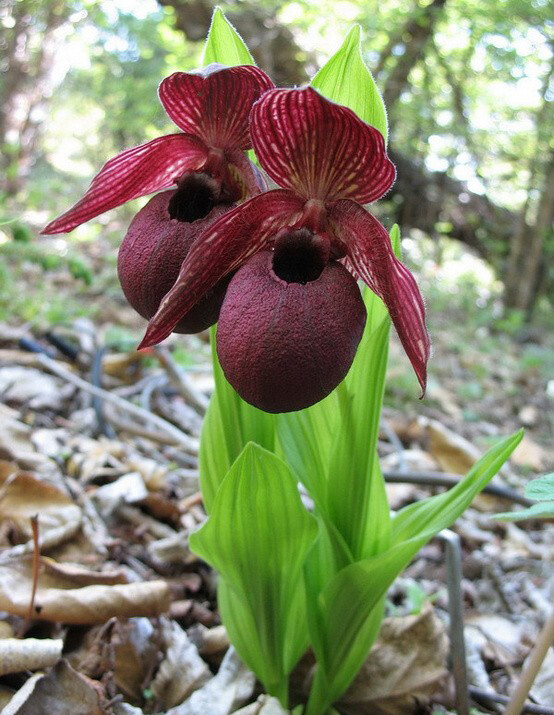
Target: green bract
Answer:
pixel 224 44
pixel 346 80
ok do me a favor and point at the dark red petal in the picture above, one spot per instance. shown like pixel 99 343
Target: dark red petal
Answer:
pixel 370 252
pixel 218 251
pixel 215 104
pixel 133 173
pixel 319 148
pixel 245 173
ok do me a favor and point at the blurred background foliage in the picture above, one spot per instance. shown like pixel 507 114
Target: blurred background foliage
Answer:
pixel 468 86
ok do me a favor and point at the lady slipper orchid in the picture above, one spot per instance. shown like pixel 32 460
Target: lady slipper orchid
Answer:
pixel 290 324
pixel 208 165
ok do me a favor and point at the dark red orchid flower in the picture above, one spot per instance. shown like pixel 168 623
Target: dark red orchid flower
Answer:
pixel 291 321
pixel 208 165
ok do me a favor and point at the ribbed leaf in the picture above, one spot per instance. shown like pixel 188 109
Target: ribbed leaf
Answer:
pixel 224 44
pixel 435 513
pixel 357 590
pixel 229 425
pixel 346 80
pixel 305 438
pixel 356 498
pixel 257 537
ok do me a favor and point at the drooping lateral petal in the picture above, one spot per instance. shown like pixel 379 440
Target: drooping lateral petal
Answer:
pixel 244 173
pixel 318 148
pixel 219 250
pixel 133 173
pixel 214 103
pixel 370 252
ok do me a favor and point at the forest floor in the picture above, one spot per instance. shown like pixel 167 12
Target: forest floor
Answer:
pixel 116 493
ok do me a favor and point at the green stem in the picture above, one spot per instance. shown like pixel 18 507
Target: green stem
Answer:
pixel 280 691
pixel 319 700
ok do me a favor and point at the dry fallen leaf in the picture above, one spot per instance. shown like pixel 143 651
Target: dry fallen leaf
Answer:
pixel 543 687
pixel 128 489
pixel 530 455
pixel 62 692
pixel 29 385
pixel 403 670
pixel 209 641
pixel 182 671
pixel 222 694
pixel 453 452
pixel 499 639
pixel 23 495
pixel 74 575
pixel 16 445
pixel 6 694
pixel 18 655
pixel 61 598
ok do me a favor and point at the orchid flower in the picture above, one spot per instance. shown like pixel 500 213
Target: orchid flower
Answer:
pixel 208 165
pixel 328 163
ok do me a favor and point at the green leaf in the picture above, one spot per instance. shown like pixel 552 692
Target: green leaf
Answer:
pixel 542 510
pixel 345 79
pixel 257 537
pixel 358 589
pixel 230 423
pixel 305 438
pixel 541 488
pixel 224 44
pixel 435 513
pixel 396 241
pixel 356 498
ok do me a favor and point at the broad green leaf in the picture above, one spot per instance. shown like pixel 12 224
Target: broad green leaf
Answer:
pixel 357 501
pixel 305 438
pixel 345 79
pixel 541 488
pixel 224 44
pixel 542 510
pixel 438 512
pixel 230 423
pixel 359 588
pixel 257 537
pixel 356 498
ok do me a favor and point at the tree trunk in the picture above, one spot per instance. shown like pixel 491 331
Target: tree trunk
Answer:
pixel 423 198
pixel 415 36
pixel 527 256
pixel 28 64
pixel 526 265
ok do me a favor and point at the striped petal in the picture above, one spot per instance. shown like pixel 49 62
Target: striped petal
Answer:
pixel 215 102
pixel 371 255
pixel 133 173
pixel 222 248
pixel 318 148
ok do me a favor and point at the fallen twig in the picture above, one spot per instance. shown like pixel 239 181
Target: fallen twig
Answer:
pixel 484 697
pixel 544 641
pixel 188 443
pixel 442 479
pixel 194 397
pixel 36 566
